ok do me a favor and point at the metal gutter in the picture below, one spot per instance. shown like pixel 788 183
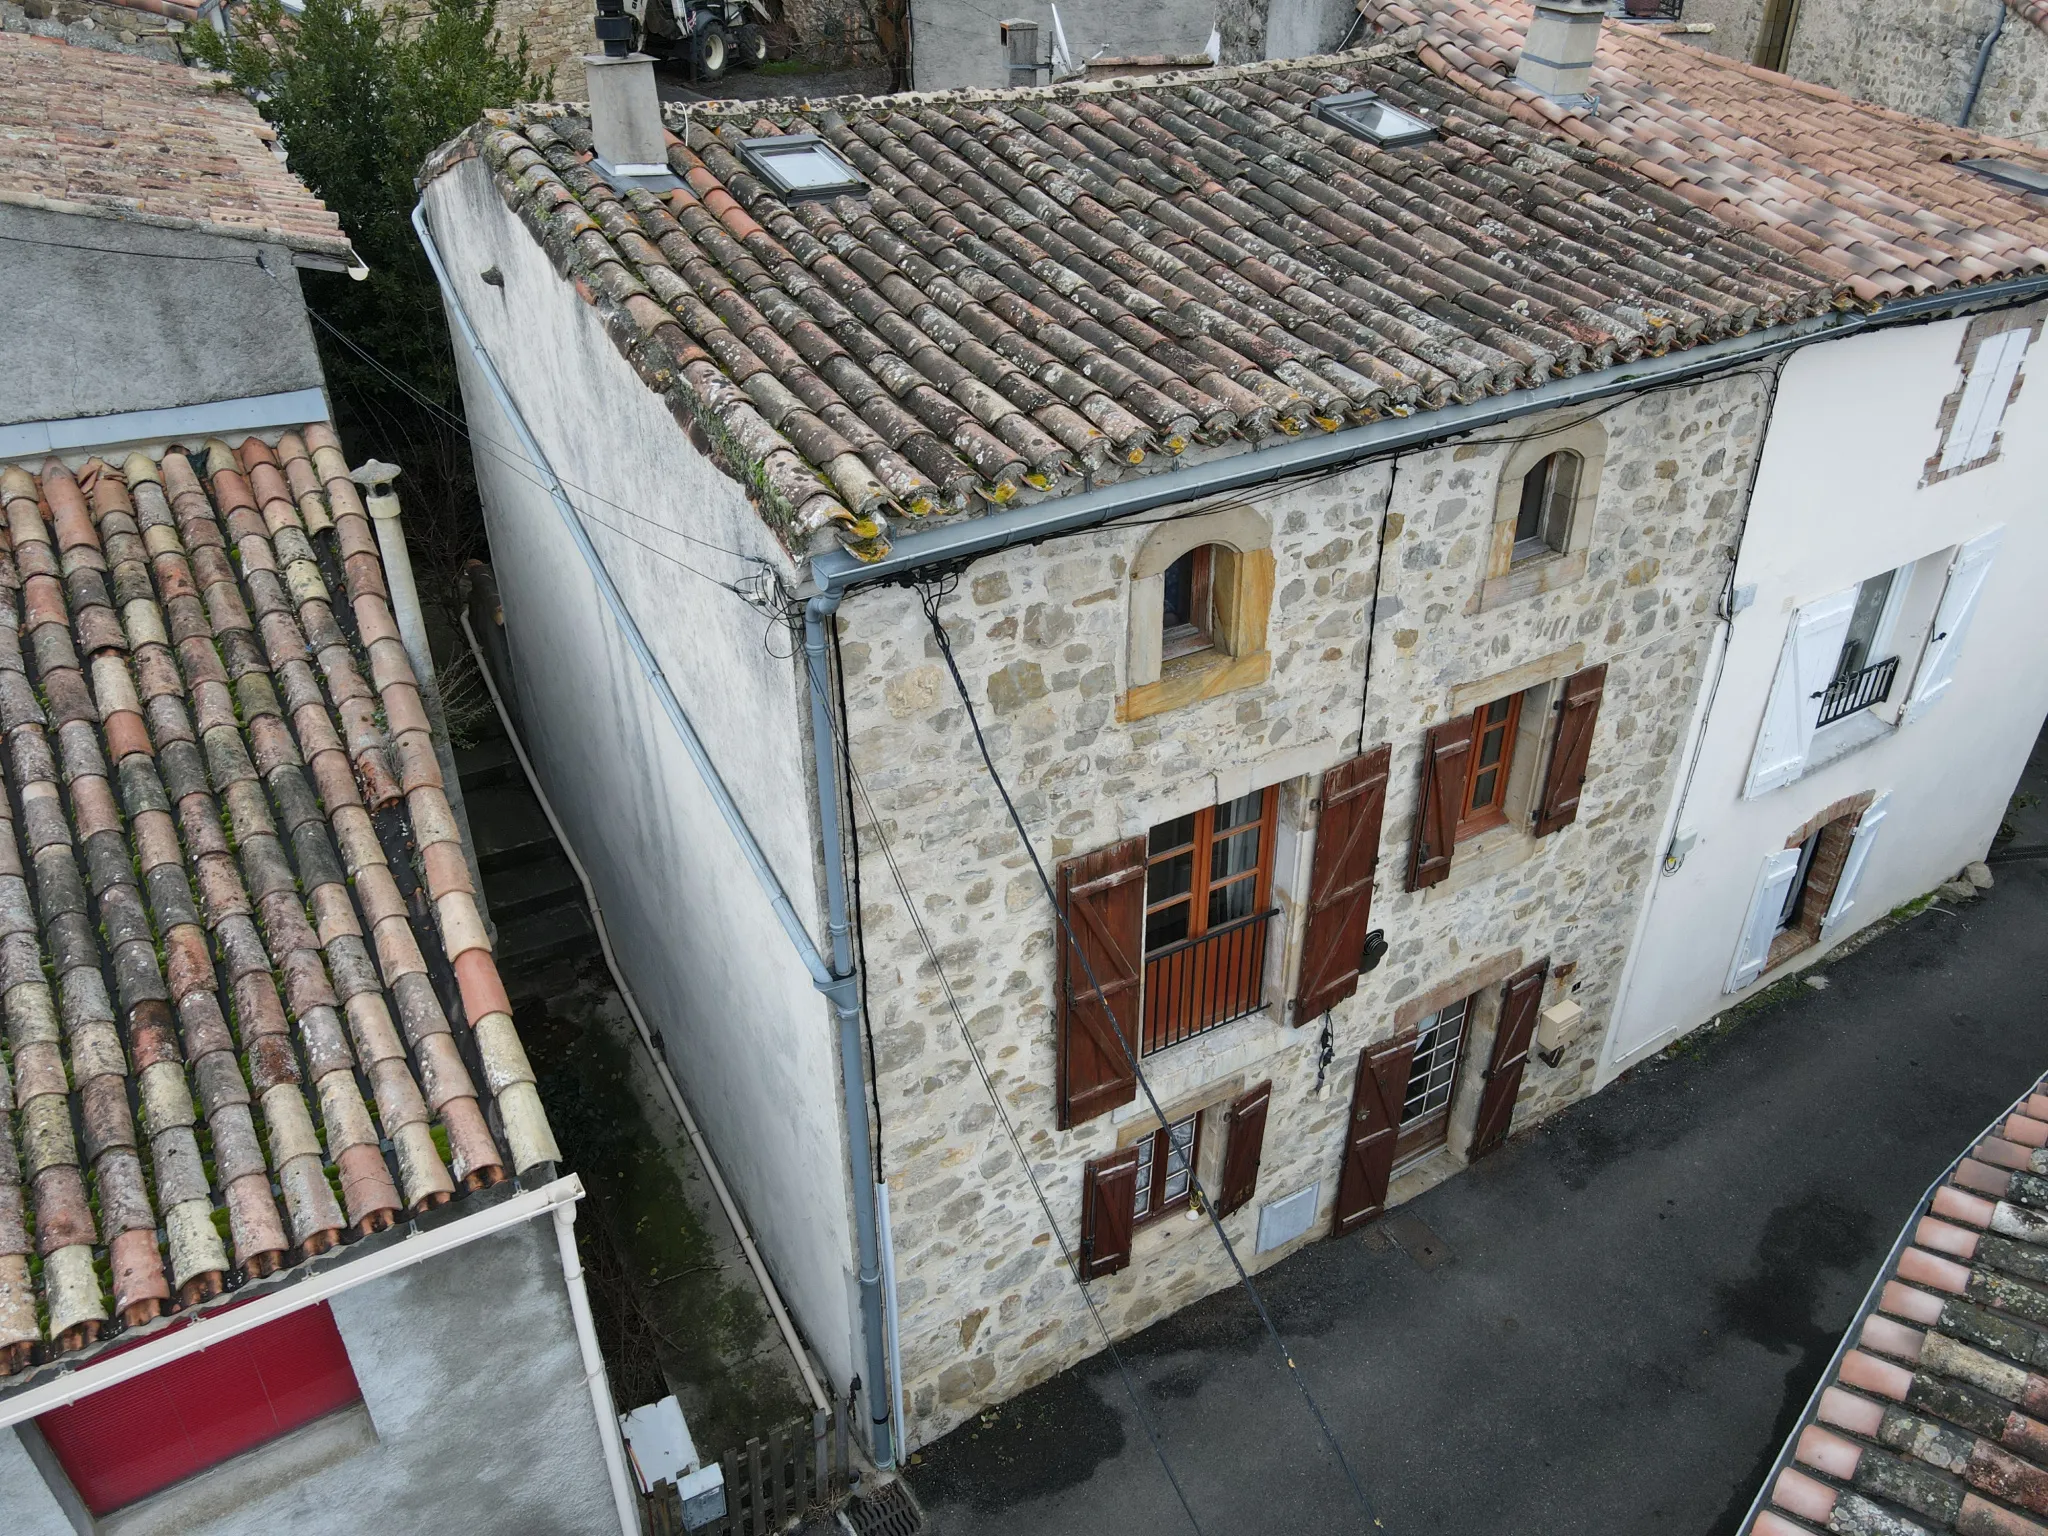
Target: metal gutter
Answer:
pixel 250 413
pixel 836 981
pixel 625 1496
pixel 309 1287
pixel 837 572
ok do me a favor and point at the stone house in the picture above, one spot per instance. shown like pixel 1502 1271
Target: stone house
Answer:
pixel 283 1242
pixel 1325 479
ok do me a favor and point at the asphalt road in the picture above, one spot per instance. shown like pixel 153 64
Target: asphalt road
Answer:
pixel 1639 1298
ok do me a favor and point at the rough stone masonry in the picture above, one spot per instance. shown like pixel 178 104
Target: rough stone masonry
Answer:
pixel 1043 638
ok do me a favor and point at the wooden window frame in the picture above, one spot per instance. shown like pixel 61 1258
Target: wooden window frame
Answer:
pixel 1201 883
pixel 1475 819
pixel 1196 631
pixel 1153 1158
pixel 1201 1001
pixel 1238 546
pixel 1430 1131
pixel 1552 534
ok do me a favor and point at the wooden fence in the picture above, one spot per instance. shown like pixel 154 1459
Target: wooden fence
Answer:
pixel 768 1485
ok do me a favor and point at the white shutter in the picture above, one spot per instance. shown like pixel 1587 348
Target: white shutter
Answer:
pixel 1966 573
pixel 1852 867
pixel 1982 407
pixel 1765 907
pixel 1813 644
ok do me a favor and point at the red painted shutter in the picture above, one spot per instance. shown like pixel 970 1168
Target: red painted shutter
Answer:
pixel 1445 751
pixel 1103 897
pixel 1109 1200
pixel 1519 1002
pixel 1246 1140
pixel 1370 1133
pixel 1567 776
pixel 1340 886
pixel 129 1440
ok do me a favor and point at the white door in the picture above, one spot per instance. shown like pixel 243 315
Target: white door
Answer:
pixel 1765 908
pixel 1813 644
pixel 1966 576
pixel 1852 867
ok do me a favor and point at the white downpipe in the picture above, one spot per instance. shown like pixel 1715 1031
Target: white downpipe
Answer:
pixel 668 1082
pixel 888 1245
pixel 624 1493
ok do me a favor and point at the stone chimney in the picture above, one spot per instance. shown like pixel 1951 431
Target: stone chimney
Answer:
pixel 625 106
pixel 1557 58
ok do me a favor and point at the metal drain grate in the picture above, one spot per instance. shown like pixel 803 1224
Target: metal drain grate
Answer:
pixel 891 1510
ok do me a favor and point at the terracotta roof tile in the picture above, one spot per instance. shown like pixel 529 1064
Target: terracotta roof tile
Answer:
pixel 230 893
pixel 1876 191
pixel 1078 283
pixel 83 130
pixel 1936 1417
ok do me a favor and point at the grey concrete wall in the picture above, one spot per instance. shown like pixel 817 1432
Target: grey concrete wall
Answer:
pixel 473 1386
pixel 138 324
pixel 1735 23
pixel 2014 101
pixel 959 42
pixel 1298 28
pixel 750 1041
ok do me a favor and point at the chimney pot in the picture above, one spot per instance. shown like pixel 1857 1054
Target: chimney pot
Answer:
pixel 1557 56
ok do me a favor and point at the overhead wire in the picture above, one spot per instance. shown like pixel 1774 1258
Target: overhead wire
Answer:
pixel 933 595
pixel 995 1098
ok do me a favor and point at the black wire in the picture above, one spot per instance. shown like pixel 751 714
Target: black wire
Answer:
pixel 933 596
pixel 996 1100
pixel 108 250
pixel 860 940
pixel 1372 619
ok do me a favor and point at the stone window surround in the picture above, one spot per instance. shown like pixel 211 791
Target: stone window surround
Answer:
pixel 1803 932
pixel 1507 580
pixel 1241 588
pixel 1980 330
pixel 1502 848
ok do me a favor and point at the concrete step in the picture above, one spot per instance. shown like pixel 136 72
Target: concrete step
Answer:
pixel 533 886
pixel 491 761
pixel 509 827
pixel 537 938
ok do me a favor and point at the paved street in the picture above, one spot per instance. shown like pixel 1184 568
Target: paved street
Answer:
pixel 1640 1295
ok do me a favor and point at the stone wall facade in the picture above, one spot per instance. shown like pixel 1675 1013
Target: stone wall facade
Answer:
pixel 1043 639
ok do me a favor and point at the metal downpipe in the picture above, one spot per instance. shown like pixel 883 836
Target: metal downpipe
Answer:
pixel 836 980
pixel 845 995
pixel 1983 65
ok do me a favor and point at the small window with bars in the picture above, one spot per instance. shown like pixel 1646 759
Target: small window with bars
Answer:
pixel 1432 1080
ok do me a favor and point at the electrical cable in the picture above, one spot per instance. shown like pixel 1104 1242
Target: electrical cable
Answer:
pixel 860 941
pixel 1372 618
pixel 996 1100
pixel 933 595
pixel 108 250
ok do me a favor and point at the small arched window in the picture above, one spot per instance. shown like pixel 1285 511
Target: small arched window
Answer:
pixel 1543 519
pixel 1187 615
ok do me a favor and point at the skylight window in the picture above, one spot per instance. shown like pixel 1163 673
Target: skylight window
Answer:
pixel 800 165
pixel 1379 122
pixel 2010 173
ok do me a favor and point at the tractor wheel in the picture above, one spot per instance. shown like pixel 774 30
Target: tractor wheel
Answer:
pixel 749 46
pixel 713 50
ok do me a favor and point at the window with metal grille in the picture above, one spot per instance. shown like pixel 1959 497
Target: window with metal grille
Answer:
pixel 1208 890
pixel 139 1436
pixel 1432 1078
pixel 1166 1161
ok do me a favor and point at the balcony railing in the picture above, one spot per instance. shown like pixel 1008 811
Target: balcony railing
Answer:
pixel 1853 691
pixel 1653 10
pixel 1200 984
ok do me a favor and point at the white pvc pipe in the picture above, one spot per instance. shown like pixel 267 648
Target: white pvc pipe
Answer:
pixel 668 1082
pixel 624 1494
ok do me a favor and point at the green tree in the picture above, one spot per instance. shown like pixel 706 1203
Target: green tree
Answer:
pixel 360 96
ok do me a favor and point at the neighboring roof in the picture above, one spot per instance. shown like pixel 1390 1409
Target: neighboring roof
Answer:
pixel 114 136
pixel 1084 280
pixel 1858 191
pixel 231 891
pixel 1936 1418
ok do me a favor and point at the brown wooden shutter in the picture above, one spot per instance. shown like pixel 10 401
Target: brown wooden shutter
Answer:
pixel 1246 1139
pixel 1445 751
pixel 1370 1133
pixel 1567 775
pixel 1340 885
pixel 1103 897
pixel 1109 1202
pixel 1520 999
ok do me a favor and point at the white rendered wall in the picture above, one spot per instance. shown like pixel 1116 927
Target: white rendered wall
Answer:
pixel 1838 499
pixel 749 1040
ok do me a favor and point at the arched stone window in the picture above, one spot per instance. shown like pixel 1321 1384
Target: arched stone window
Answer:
pixel 1543 513
pixel 1201 591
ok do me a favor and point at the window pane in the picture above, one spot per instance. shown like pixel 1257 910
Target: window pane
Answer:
pixel 1433 1072
pixel 1169 925
pixel 1856 645
pixel 1169 877
pixel 1177 833
pixel 1180 591
pixel 1563 491
pixel 1180 1144
pixel 1227 903
pixel 1482 788
pixel 1490 746
pixel 1529 516
pixel 1236 854
pixel 1241 812
pixel 1143 1201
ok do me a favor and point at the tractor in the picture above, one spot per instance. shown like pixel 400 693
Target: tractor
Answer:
pixel 711 36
